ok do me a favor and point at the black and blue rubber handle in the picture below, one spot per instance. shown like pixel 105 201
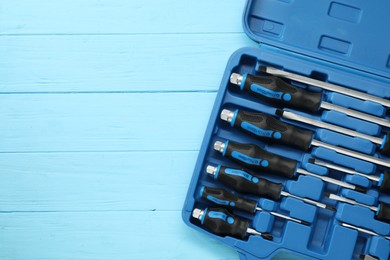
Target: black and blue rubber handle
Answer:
pixel 221 222
pixel 227 199
pixel 266 127
pixel 253 157
pixel 243 182
pixel 383 212
pixel 384 184
pixel 275 90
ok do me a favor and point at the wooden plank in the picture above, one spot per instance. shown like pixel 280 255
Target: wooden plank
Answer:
pixel 118 17
pixel 104 122
pixel 124 63
pixel 95 181
pixel 105 235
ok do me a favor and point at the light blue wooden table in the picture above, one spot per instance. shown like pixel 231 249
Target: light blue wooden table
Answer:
pixel 103 107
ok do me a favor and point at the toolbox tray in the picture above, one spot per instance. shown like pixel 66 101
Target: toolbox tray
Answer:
pixel 343 42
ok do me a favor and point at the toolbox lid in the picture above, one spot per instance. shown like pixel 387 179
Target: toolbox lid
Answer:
pixel 353 33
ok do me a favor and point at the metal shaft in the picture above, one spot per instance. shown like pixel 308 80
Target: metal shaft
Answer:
pixel 284 216
pixel 320 124
pixel 330 180
pixel 349 201
pixel 327 86
pixel 363 230
pixel 356 114
pixel 309 201
pixel 354 154
pixel 345 170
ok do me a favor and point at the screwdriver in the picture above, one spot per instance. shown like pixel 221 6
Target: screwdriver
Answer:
pixel 363 230
pixel 261 126
pixel 384 142
pixel 382 181
pixel 382 212
pixel 247 154
pixel 221 222
pixel 244 182
pixel 273 89
pixel 325 85
pixel 222 197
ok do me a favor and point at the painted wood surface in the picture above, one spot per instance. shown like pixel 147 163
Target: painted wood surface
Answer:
pixel 103 106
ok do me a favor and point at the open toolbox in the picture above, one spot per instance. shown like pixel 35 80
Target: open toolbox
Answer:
pixel 283 163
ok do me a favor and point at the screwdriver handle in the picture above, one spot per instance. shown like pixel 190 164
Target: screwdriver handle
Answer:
pixel 385 147
pixel 383 212
pixel 384 184
pixel 265 126
pixel 253 157
pixel 220 222
pixel 273 89
pixel 244 182
pixel 227 199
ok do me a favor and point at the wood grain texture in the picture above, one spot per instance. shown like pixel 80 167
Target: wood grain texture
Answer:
pixel 121 63
pixel 120 17
pixel 103 106
pixel 104 122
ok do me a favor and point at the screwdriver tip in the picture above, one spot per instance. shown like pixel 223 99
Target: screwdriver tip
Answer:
pixel 279 112
pixel 236 79
pixel 305 223
pixel 262 69
pixel 330 208
pixel 360 189
pixel 267 236
pixel 311 160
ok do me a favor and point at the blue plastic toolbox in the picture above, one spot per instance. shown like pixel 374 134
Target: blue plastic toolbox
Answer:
pixel 344 42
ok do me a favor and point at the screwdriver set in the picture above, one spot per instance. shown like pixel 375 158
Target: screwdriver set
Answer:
pixel 296 155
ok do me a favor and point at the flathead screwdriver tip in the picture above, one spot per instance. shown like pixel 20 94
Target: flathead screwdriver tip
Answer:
pixel 311 160
pixel 360 189
pixel 219 146
pixel 279 112
pixel 330 208
pixel 236 79
pixel 267 236
pixel 227 115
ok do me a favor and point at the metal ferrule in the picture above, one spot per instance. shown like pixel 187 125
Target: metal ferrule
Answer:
pixel 219 146
pixel 227 115
pixel 211 170
pixel 236 79
pixel 197 213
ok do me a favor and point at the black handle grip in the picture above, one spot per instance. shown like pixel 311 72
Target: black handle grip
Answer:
pixel 244 182
pixel 221 222
pixel 273 89
pixel 253 157
pixel 385 148
pixel 385 184
pixel 265 126
pixel 222 197
pixel 383 213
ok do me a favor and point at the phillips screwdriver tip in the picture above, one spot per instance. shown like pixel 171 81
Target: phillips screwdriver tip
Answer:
pixel 236 79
